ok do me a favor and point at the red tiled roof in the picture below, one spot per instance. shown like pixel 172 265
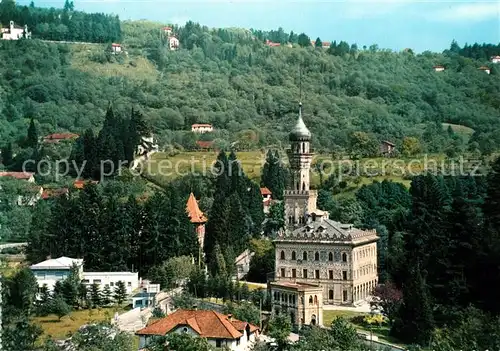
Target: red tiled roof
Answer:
pixel 265 191
pixel 208 324
pixel 60 136
pixel 17 175
pixel 167 28
pixel 438 66
pixel 204 144
pixel 116 45
pixel 193 211
pixel 80 184
pixel 201 125
pixel 49 193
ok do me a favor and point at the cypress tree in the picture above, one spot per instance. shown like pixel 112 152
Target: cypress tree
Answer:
pixel 7 155
pixel 239 235
pixel 32 135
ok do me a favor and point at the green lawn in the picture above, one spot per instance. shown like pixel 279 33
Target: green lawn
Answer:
pixel 329 315
pixel 59 329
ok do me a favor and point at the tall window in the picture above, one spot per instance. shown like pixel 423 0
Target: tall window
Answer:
pixel 330 256
pixel 316 256
pixel 330 274
pixel 344 275
pixel 316 273
pixel 330 294
pixel 282 272
pixel 304 256
pixel 282 255
pixel 294 273
pixel 294 257
pixel 304 273
pixel 344 297
pixel 344 257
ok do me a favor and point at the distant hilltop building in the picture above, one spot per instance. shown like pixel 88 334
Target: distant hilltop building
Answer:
pixel 13 32
pixel 28 176
pixel 439 68
pixel 495 59
pixel 318 261
pixel 57 137
pixel 485 69
pixel 272 44
pixel 116 48
pixel 387 148
pixel 202 128
pixel 167 30
pixel 173 43
pixel 324 44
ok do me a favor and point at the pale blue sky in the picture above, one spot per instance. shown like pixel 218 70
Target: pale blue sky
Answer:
pixel 393 24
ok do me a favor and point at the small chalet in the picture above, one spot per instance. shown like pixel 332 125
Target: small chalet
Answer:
pixel 386 147
pixel 167 30
pixel 197 217
pixel 80 184
pixel 202 128
pixel 173 43
pixel 13 32
pixel 272 44
pixel 57 137
pixel 485 69
pixel 266 198
pixel 53 193
pixel 495 59
pixel 439 68
pixel 28 176
pixel 220 330
pixel 116 48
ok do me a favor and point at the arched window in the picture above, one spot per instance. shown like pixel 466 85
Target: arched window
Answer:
pixel 315 299
pixel 330 294
pixel 293 299
pixel 310 300
pixel 303 147
pixel 344 257
pixel 330 256
pixel 304 256
pixel 294 257
pixel 303 186
pixel 282 255
pixel 316 256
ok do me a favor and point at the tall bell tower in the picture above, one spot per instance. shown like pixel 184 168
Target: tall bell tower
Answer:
pixel 299 199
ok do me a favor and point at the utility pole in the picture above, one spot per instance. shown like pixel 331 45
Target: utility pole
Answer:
pixel 260 314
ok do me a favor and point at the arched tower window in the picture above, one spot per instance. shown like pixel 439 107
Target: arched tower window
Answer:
pixel 294 257
pixel 315 299
pixel 316 256
pixel 282 255
pixel 344 257
pixel 304 148
pixel 330 256
pixel 310 300
pixel 304 256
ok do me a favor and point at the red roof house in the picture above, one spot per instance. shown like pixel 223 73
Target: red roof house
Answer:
pixel 29 176
pixel 51 193
pixel 217 328
pixel 57 137
pixel 80 184
pixel 204 144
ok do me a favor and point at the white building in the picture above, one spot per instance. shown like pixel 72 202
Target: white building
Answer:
pixel 173 43
pixel 116 48
pixel 495 59
pixel 14 32
pixel 220 330
pixel 167 30
pixel 131 280
pixel 202 128
pixel 439 68
pixel 242 263
pixel 53 270
pixel 485 69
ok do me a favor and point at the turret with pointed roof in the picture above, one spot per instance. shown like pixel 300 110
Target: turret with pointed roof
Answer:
pixel 198 218
pixel 300 132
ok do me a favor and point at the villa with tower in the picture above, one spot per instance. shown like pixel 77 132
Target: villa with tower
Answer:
pixel 318 261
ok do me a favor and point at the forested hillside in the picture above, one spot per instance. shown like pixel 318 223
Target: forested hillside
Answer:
pixel 249 91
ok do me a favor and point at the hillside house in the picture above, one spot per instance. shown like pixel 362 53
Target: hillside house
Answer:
pixel 220 330
pixel 495 59
pixel 116 48
pixel 204 145
pixel 58 137
pixel 439 68
pixel 28 176
pixel 202 128
pixel 52 270
pixel 266 198
pixel 80 184
pixel 324 44
pixel 173 43
pixel 167 30
pixel 242 263
pixel 386 147
pixel 53 193
pixel 13 32
pixel 485 69
pixel 272 44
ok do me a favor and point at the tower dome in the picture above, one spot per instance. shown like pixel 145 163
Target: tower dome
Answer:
pixel 300 131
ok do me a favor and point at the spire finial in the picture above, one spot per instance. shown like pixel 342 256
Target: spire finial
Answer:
pixel 300 85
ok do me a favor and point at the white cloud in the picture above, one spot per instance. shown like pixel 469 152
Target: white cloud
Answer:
pixel 469 12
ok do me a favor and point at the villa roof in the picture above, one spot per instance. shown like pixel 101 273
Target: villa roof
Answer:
pixel 201 125
pixel 61 262
pixel 193 211
pixel 265 191
pixel 17 175
pixel 80 184
pixel 50 193
pixel 60 136
pixel 207 324
pixel 327 230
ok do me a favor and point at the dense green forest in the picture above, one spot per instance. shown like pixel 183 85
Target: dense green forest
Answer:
pixel 247 90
